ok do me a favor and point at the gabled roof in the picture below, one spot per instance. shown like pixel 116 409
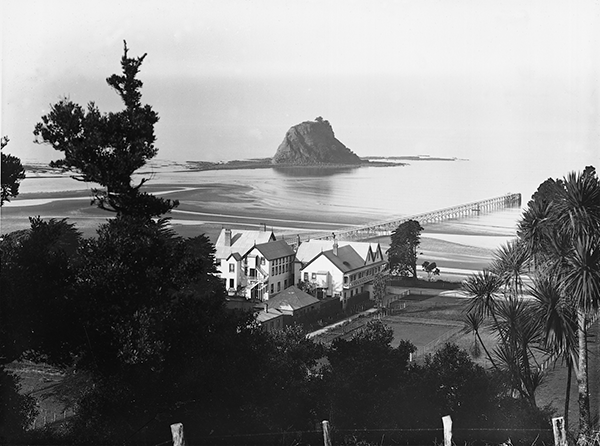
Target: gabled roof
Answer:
pixel 275 250
pixel 292 297
pixel 310 249
pixel 236 256
pixel 270 314
pixel 366 250
pixel 347 259
pixel 241 241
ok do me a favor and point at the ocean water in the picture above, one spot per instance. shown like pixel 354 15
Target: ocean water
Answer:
pixel 335 197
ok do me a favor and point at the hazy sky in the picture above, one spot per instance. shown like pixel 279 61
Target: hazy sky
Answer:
pixel 469 78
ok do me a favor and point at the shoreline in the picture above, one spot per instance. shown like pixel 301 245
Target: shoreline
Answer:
pixel 457 246
pixel 456 261
pixel 44 171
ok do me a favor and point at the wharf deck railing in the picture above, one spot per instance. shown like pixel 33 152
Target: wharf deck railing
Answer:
pixel 386 227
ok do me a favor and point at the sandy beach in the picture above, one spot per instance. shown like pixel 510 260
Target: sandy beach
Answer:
pixel 459 247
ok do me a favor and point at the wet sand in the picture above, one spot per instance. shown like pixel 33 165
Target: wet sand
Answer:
pixel 459 247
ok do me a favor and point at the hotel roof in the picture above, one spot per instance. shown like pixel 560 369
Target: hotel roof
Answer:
pixel 347 259
pixel 310 249
pixel 241 241
pixel 275 250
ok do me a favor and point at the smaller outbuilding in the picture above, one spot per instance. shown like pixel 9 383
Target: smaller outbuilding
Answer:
pixel 295 304
pixel 271 319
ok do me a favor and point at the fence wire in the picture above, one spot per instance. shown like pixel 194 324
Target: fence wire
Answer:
pixel 380 437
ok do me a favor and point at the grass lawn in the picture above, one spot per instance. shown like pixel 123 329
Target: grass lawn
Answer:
pixel 425 319
pixel 418 333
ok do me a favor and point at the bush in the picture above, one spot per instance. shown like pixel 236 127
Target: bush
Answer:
pixel 17 411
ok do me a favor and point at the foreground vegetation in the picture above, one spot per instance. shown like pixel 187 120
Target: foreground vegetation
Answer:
pixel 542 291
pixel 135 318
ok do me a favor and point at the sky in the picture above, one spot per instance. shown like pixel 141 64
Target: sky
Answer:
pixel 455 78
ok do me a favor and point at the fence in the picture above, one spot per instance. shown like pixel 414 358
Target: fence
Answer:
pixel 431 346
pixel 327 436
pixel 345 328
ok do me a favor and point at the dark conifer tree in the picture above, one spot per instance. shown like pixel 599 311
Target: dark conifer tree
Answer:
pixel 402 254
pixel 107 148
pixel 12 174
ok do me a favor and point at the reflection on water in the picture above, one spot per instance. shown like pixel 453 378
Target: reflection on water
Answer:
pixel 347 196
pixel 311 171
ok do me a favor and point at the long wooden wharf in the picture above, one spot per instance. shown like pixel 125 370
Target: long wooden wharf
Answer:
pixel 386 227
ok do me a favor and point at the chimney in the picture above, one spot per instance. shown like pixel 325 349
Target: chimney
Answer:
pixel 227 237
pixel 266 308
pixel 264 227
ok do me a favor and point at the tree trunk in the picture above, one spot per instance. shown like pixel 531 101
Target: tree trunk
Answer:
pixel 582 380
pixel 568 394
pixel 486 350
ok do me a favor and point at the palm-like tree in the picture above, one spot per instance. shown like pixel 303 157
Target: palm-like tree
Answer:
pixel 534 230
pixel 473 324
pixel 483 288
pixel 510 263
pixel 558 326
pixel 573 257
pixel 511 321
pixel 582 282
pixel 579 215
pixel 514 319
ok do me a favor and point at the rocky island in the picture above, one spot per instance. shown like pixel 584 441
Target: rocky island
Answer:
pixel 313 143
pixel 308 144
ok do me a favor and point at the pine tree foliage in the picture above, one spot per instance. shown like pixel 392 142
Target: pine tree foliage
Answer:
pixel 107 148
pixel 402 253
pixel 12 174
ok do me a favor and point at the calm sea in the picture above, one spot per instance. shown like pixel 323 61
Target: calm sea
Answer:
pixel 348 196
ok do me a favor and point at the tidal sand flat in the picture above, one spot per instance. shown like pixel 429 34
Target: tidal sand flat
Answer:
pixel 297 202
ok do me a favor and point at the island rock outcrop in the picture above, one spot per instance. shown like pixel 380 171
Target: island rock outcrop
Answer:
pixel 313 143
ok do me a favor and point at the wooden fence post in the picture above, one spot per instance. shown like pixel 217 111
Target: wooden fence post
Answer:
pixel 326 436
pixel 447 421
pixel 560 433
pixel 177 434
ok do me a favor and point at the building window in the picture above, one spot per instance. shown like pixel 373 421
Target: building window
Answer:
pixel 272 288
pixel 278 287
pixel 232 267
pixel 272 270
pixel 306 277
pixel 262 260
pixel 345 280
pixel 231 283
pixel 313 276
pixel 284 283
